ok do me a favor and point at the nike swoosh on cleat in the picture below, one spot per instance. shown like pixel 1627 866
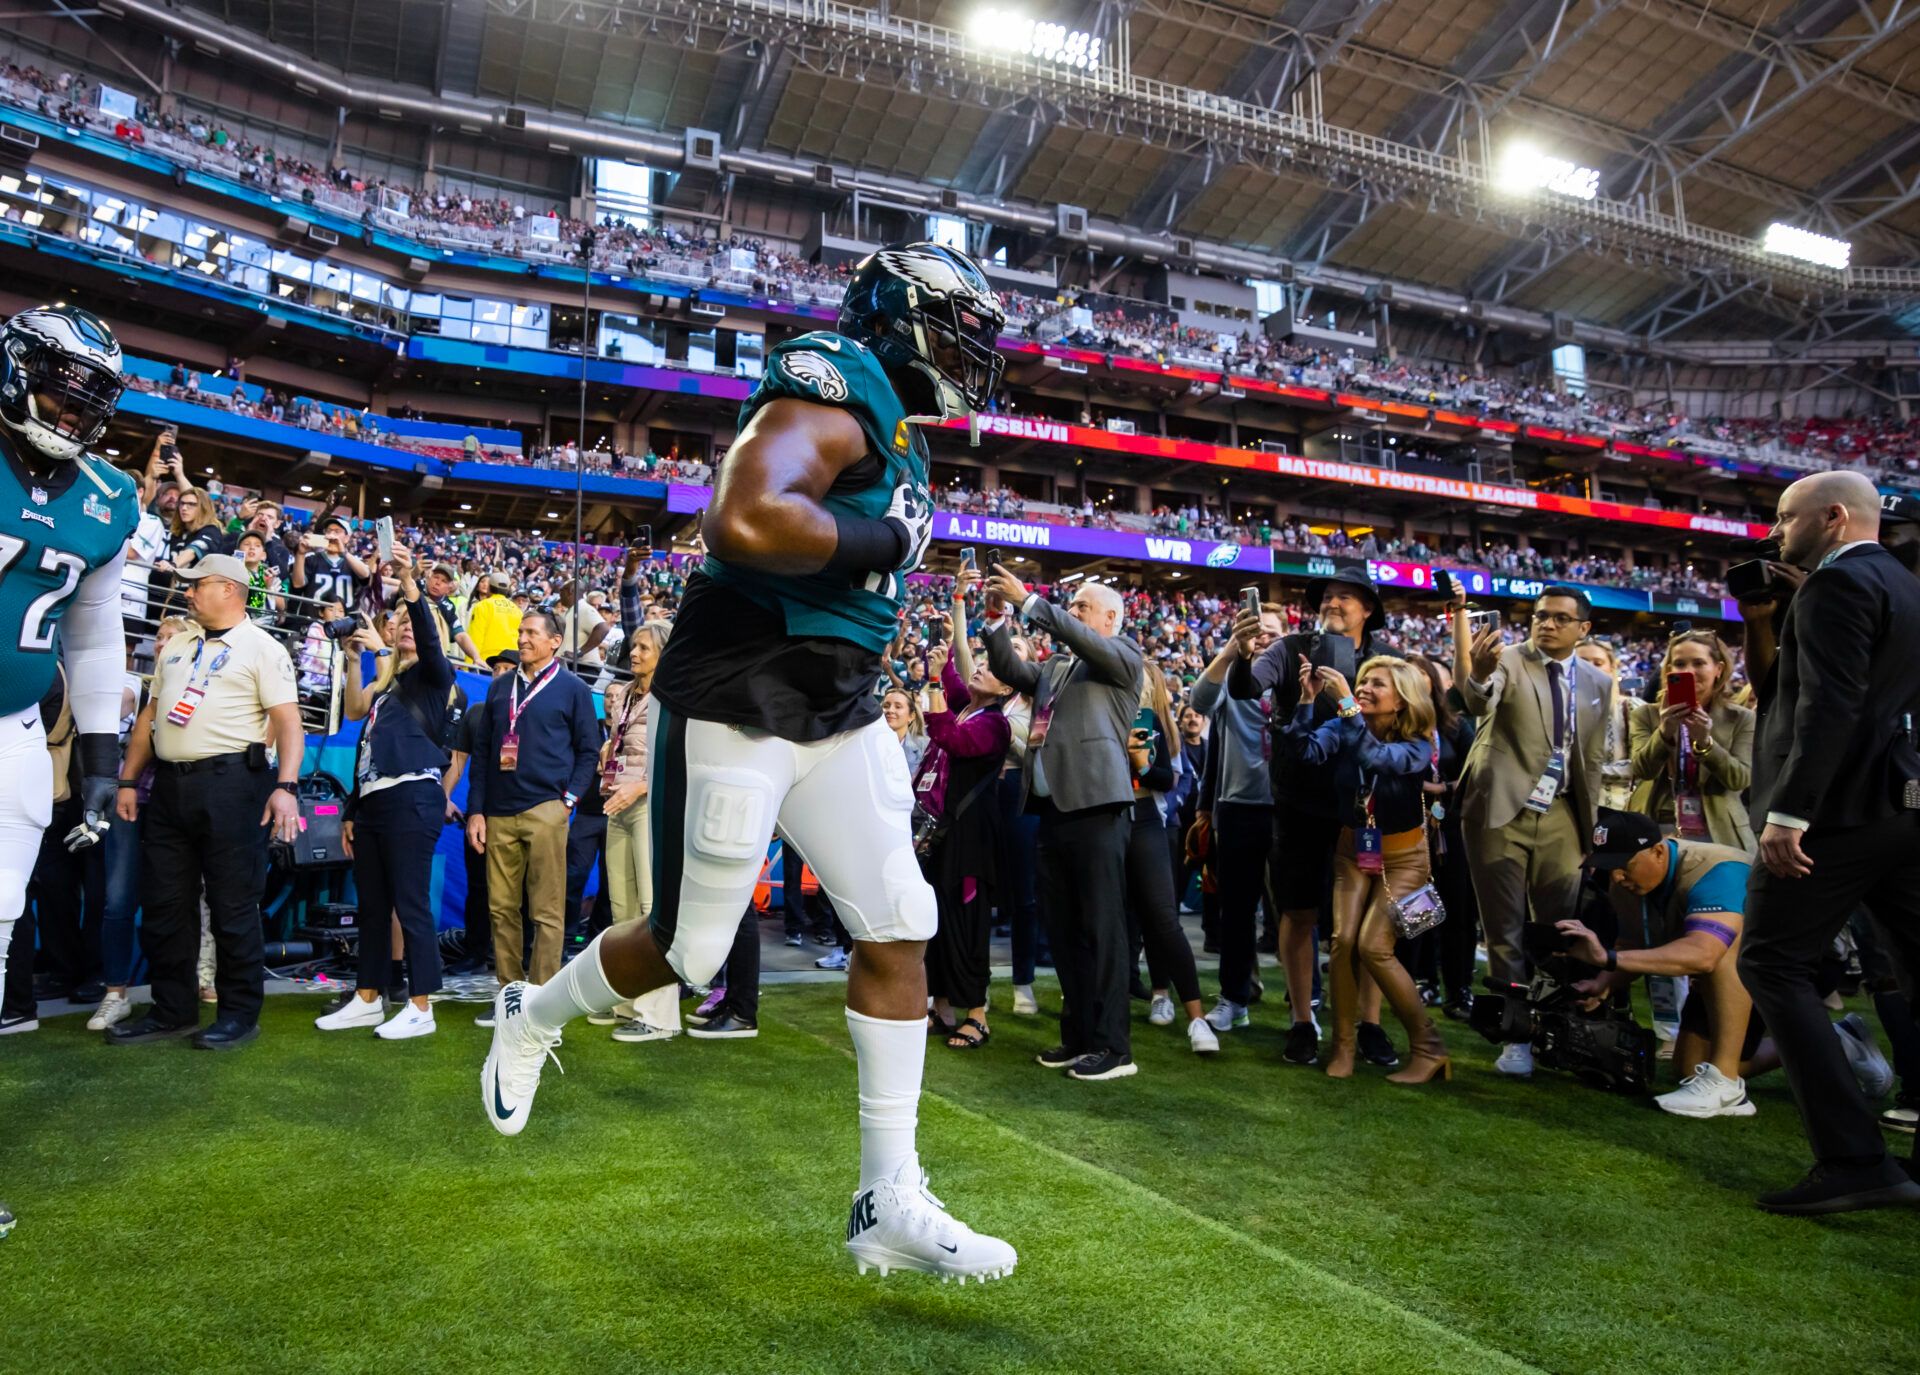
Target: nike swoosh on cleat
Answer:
pixel 500 1109
pixel 951 1250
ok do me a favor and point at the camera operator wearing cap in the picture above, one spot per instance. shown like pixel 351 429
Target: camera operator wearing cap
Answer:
pixel 1837 776
pixel 1678 905
pixel 1306 820
pixel 220 693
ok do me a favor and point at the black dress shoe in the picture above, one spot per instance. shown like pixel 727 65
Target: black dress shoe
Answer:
pixel 148 1028
pixel 1058 1058
pixel 1458 1009
pixel 92 991
pixel 229 1033
pixel 1375 1048
pixel 1828 1189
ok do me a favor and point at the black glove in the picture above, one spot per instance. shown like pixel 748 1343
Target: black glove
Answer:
pixel 99 788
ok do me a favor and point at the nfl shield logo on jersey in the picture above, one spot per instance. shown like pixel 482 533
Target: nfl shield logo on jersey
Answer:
pixel 39 495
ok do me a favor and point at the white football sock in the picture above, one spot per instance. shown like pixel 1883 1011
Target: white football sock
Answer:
pixel 580 988
pixel 892 1056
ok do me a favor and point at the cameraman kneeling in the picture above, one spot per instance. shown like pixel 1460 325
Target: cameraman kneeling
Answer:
pixel 1679 905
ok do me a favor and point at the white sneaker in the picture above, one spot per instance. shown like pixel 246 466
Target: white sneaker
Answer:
pixel 621 1011
pixel 354 1012
pixel 407 1023
pixel 113 1008
pixel 1024 1003
pixel 1707 1093
pixel 11 1026
pixel 1200 1036
pixel 1161 1013
pixel 1869 1066
pixel 511 1075
pixel 633 1030
pixel 835 959
pixel 1516 1059
pixel 899 1225
pixel 1227 1015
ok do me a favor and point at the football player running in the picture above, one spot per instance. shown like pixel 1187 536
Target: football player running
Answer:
pixel 65 518
pixel 765 719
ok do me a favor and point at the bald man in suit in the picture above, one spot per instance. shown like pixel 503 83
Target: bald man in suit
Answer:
pixel 1531 783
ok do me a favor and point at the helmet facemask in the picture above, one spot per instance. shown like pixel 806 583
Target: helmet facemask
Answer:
pixel 955 344
pixel 58 404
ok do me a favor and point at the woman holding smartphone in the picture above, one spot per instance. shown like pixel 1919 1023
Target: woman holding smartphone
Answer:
pixel 1692 747
pixel 1381 749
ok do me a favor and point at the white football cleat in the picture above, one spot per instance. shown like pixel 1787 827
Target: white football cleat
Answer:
pixel 511 1075
pixel 899 1225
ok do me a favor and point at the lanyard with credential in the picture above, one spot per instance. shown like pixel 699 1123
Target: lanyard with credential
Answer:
pixel 517 704
pixel 196 688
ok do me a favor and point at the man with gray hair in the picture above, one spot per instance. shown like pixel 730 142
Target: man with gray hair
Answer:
pixel 1836 774
pixel 1078 780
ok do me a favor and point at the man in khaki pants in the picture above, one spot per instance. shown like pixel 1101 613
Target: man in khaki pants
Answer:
pixel 1532 778
pixel 536 746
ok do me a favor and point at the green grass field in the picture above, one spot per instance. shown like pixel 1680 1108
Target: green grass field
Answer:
pixel 337 1204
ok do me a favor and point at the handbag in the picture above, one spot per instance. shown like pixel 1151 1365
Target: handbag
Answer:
pixel 929 830
pixel 1417 913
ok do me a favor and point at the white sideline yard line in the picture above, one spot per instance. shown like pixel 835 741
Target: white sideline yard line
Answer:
pixel 1492 1357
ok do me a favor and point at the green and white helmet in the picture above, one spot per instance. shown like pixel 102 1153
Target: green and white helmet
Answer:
pixel 931 318
pixel 59 379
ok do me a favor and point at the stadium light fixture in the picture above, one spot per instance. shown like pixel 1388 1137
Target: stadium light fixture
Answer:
pixel 1790 241
pixel 1007 31
pixel 1524 169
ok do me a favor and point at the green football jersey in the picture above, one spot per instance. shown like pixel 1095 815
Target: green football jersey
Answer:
pixel 52 534
pixel 833 370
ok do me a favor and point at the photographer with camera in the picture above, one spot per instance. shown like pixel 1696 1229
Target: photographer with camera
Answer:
pixel 1533 776
pixel 1678 905
pixel 397 808
pixel 1837 775
pixel 327 564
pixel 1306 816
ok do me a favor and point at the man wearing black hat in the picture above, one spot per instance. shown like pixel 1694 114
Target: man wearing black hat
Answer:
pixel 1678 906
pixel 1306 822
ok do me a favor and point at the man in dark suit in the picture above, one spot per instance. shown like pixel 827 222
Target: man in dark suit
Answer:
pixel 1079 781
pixel 1830 773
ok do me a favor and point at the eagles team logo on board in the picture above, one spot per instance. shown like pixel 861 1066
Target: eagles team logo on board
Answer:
pixel 1223 556
pixel 816 372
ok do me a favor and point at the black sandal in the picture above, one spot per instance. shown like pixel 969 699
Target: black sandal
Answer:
pixel 958 1040
pixel 936 1027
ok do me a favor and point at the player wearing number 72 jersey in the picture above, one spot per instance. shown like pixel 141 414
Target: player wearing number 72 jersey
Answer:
pixel 65 518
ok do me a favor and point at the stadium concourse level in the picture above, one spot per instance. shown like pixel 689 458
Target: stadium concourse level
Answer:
pixel 1884 446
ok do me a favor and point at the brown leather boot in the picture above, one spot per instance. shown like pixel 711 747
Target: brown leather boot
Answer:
pixel 1346 1016
pixel 1426 1058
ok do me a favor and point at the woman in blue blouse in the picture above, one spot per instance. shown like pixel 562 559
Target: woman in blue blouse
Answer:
pixel 1381 750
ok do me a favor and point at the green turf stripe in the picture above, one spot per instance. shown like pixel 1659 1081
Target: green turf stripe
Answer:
pixel 1489 1358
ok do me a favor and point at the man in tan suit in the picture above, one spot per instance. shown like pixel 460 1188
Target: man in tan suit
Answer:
pixel 1532 778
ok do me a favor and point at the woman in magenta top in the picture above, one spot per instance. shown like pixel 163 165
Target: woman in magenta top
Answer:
pixel 967 737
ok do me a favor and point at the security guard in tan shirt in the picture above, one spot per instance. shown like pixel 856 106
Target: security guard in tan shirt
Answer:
pixel 219 695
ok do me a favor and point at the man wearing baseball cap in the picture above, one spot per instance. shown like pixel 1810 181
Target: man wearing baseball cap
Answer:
pixel 221 693
pixel 443 580
pixel 1679 906
pixel 493 624
pixel 327 564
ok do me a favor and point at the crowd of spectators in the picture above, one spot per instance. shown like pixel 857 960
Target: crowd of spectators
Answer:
pixel 447 214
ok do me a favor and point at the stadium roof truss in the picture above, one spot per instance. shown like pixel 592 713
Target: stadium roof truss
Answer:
pixel 1337 134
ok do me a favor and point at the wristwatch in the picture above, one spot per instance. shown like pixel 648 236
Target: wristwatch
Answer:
pixel 1613 960
pixel 286 786
pixel 129 783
